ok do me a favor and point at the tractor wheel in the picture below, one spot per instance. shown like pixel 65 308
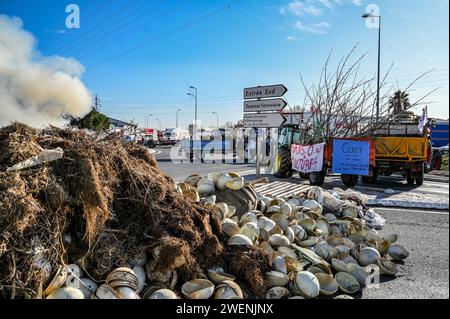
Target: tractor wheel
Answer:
pixel 303 175
pixel 316 179
pixel 283 166
pixel 350 180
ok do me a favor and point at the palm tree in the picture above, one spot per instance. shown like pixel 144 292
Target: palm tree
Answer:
pixel 399 102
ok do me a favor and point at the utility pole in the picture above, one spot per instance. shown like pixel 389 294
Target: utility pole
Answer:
pixel 196 105
pixel 97 104
pixel 373 16
pixel 147 117
pixel 179 110
pixel 217 115
pixel 379 69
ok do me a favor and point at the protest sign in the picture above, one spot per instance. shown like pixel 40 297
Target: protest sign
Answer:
pixel 307 158
pixel 351 157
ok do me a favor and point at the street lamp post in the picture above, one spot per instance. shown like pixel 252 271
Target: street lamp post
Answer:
pixel 217 115
pixel 147 117
pixel 372 16
pixel 179 110
pixel 196 105
pixel 159 123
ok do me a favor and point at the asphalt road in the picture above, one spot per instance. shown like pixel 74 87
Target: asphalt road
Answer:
pixel 179 171
pixel 425 274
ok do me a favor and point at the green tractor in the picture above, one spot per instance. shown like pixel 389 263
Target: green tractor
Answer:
pixel 291 134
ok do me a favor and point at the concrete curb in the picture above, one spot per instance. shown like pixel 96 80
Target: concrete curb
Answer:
pixel 407 204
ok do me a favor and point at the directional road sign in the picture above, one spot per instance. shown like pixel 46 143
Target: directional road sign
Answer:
pixel 264 120
pixel 265 105
pixel 261 92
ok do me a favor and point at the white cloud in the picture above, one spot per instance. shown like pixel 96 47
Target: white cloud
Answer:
pixel 317 28
pixel 291 38
pixel 309 10
pixel 301 8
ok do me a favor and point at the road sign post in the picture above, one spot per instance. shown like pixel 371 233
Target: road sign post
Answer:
pixel 261 92
pixel 258 100
pixel 264 120
pixel 272 105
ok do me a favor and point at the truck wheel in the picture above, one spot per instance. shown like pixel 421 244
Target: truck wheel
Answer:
pixel 316 179
pixel 409 179
pixel 350 180
pixel 283 166
pixel 370 179
pixel 420 178
pixel 366 179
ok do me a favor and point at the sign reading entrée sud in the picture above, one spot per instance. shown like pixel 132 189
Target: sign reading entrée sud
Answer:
pixel 261 92
pixel 307 158
pixel 264 120
pixel 351 157
pixel 265 105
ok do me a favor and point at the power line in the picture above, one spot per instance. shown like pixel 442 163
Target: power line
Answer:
pixel 94 27
pixel 99 9
pixel 166 13
pixel 185 26
pixel 111 32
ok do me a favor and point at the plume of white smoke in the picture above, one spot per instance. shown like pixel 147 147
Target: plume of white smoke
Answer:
pixel 37 90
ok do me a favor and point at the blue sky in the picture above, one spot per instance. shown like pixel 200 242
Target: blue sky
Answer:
pixel 254 42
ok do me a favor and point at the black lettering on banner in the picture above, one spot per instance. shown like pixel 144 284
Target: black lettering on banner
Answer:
pixel 310 150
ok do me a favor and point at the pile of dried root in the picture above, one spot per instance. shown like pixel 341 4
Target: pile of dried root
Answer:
pixel 100 205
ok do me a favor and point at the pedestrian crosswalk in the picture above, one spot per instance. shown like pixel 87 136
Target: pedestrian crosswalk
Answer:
pixel 281 189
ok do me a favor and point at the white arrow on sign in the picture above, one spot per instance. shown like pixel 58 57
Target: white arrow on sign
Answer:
pixel 265 105
pixel 264 120
pixel 265 92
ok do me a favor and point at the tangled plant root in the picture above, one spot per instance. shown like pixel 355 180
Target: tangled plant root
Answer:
pixel 113 202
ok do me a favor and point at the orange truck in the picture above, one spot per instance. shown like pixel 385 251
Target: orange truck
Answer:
pixel 408 155
pixel 397 151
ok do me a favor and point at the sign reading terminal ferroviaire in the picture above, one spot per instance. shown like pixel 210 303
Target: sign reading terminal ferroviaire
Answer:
pixel 261 92
pixel 265 105
pixel 264 120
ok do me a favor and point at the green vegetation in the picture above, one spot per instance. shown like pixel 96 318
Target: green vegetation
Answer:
pixel 399 102
pixel 94 120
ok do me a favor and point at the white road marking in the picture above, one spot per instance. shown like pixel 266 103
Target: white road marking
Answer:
pixel 407 210
pixel 281 189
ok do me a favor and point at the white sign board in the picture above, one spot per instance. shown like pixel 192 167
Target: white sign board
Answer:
pixel 264 120
pixel 265 105
pixel 261 92
pixel 307 158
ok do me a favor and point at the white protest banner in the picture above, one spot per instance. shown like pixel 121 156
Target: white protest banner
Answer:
pixel 307 158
